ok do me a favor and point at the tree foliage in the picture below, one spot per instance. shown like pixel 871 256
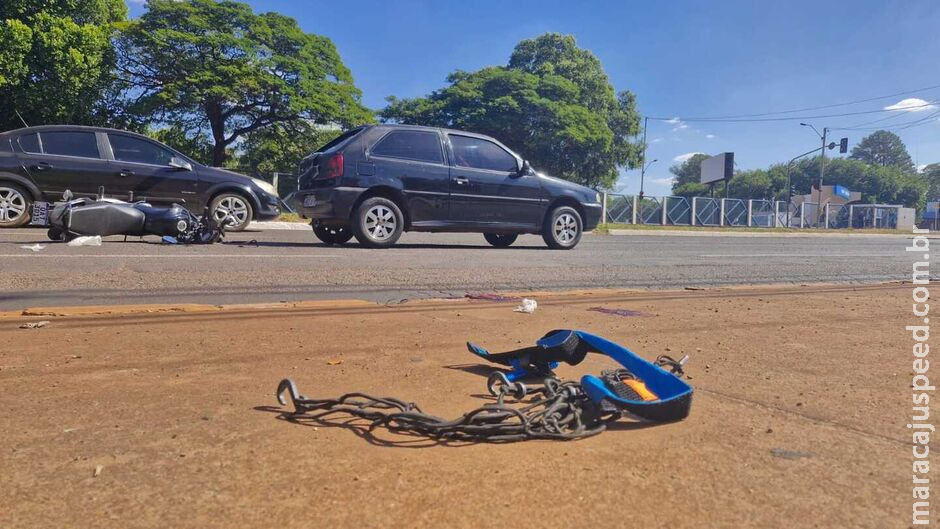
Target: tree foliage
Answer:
pixel 56 60
pixel 885 149
pixel 280 147
pixel 220 69
pixel 553 104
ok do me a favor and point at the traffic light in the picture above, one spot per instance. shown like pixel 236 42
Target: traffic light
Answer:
pixel 843 145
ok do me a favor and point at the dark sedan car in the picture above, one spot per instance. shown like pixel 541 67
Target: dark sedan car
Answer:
pixel 40 163
pixel 375 182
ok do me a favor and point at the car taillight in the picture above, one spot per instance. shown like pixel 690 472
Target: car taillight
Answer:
pixel 334 167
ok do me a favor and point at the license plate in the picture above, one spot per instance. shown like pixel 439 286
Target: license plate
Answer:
pixel 310 201
pixel 40 214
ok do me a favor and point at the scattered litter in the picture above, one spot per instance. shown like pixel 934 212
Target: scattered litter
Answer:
pixel 789 454
pixel 493 297
pixel 528 306
pixel 617 312
pixel 86 240
pixel 334 362
pixel 168 239
pixel 694 288
pixel 34 247
pixel 34 324
pixel 252 242
pixel 98 469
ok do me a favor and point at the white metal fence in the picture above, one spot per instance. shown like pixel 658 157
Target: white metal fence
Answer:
pixel 707 211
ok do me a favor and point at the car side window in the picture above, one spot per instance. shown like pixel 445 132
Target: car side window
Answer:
pixel 82 144
pixel 481 154
pixel 130 149
pixel 417 145
pixel 29 143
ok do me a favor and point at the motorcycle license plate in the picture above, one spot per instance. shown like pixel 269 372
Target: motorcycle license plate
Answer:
pixel 40 214
pixel 310 201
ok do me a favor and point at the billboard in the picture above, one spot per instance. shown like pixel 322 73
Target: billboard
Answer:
pixel 843 192
pixel 718 167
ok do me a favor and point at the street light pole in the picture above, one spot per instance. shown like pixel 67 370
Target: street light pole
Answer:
pixel 644 166
pixel 822 168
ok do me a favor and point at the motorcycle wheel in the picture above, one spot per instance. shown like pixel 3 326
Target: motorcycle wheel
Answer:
pixel 55 234
pixel 331 236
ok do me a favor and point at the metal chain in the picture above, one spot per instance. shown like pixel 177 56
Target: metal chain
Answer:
pixel 557 410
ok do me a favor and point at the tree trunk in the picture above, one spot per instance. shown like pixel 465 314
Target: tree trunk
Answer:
pixel 217 124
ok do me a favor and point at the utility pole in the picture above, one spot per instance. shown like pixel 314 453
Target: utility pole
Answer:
pixel 643 161
pixel 822 172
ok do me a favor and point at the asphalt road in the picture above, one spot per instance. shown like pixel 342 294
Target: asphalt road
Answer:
pixel 289 265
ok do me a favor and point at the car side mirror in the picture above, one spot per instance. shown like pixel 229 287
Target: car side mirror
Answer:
pixel 180 164
pixel 526 168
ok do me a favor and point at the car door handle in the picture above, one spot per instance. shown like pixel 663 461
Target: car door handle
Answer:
pixel 125 173
pixel 42 166
pixel 461 181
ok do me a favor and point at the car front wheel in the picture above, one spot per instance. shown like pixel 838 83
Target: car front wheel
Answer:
pixel 14 206
pixel 378 223
pixel 500 241
pixel 232 210
pixel 332 235
pixel 562 229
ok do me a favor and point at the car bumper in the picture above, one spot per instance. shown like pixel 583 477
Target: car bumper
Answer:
pixel 268 207
pixel 592 216
pixel 329 203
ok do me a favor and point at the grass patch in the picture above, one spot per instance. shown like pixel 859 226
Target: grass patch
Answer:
pixel 606 227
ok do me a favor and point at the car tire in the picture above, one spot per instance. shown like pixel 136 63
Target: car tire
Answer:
pixel 14 205
pixel 234 207
pixel 55 234
pixel 378 222
pixel 332 235
pixel 500 241
pixel 562 229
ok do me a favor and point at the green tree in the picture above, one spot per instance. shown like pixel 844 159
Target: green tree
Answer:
pixel 885 149
pixel 280 147
pixel 553 104
pixel 57 60
pixel 753 183
pixel 688 171
pixel 931 176
pixel 219 68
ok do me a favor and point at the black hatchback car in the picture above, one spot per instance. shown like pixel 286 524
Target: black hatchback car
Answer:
pixel 375 182
pixel 40 163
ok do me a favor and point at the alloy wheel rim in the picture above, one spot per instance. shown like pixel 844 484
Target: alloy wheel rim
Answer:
pixel 12 204
pixel 380 222
pixel 566 228
pixel 232 208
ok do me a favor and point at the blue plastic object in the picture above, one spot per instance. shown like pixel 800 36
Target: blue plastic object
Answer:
pixel 674 395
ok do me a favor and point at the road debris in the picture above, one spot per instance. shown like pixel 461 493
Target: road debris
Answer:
pixel 618 312
pixel 97 472
pixel 334 362
pixel 558 409
pixel 34 247
pixel 34 324
pixel 528 306
pixel 789 454
pixel 86 240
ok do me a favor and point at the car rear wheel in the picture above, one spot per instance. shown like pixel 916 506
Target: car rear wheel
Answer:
pixel 14 206
pixel 500 241
pixel 378 223
pixel 233 210
pixel 562 229
pixel 332 235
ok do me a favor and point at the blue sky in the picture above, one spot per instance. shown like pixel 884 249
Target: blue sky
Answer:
pixel 681 59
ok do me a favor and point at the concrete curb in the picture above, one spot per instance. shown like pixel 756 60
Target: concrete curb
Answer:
pixel 729 233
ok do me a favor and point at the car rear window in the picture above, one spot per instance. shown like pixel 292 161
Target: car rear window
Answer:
pixel 81 144
pixel 341 139
pixel 29 142
pixel 417 145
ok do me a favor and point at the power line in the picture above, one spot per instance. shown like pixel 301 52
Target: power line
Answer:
pixel 899 126
pixel 807 109
pixel 792 118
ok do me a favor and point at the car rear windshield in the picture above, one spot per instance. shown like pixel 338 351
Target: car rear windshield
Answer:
pixel 340 140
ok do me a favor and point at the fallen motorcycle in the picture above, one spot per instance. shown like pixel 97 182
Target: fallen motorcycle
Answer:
pixel 73 218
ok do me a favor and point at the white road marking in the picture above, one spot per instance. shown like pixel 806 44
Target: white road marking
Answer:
pixel 796 255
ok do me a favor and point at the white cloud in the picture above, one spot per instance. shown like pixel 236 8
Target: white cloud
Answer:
pixel 680 126
pixel 674 120
pixel 921 167
pixel 664 181
pixel 656 140
pixel 912 104
pixel 683 157
pixel 710 136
